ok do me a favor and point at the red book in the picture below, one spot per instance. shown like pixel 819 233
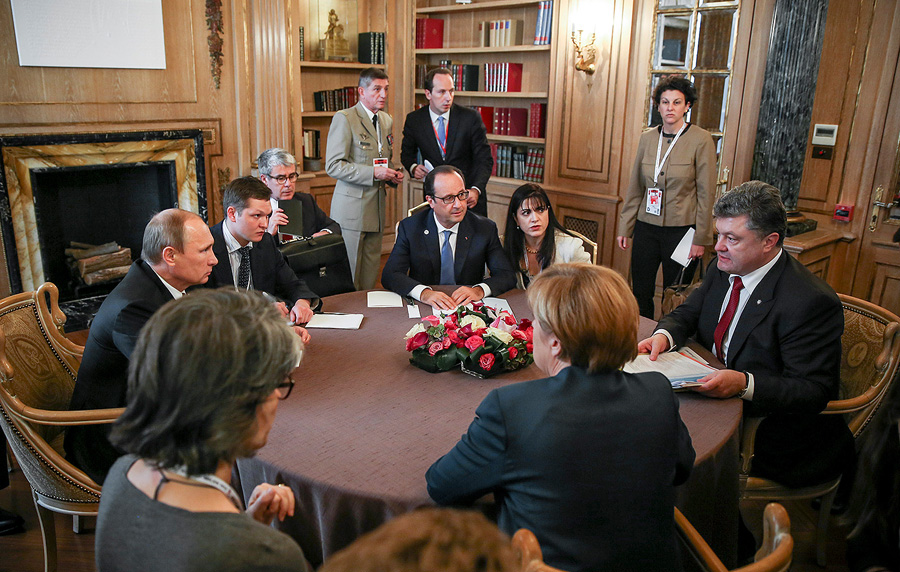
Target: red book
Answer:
pixel 513 77
pixel 498 127
pixel 538 126
pixel 420 32
pixel 517 122
pixel 494 156
pixel 487 116
pixel 432 33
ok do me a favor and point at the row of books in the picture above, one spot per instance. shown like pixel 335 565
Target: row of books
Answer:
pixel 515 121
pixel 465 76
pixel 503 76
pixel 543 25
pixel 335 99
pixel 429 33
pixel 371 48
pixel 311 143
pixel 500 33
pixel 518 162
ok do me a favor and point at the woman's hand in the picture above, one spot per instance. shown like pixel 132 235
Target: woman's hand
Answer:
pixel 623 242
pixel 269 501
pixel 697 251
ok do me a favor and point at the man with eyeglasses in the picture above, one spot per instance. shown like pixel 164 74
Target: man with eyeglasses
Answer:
pixel 447 244
pixel 358 155
pixel 278 170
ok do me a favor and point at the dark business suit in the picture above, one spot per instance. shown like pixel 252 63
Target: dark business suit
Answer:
pixel 789 337
pixel 589 463
pixel 269 270
pixel 467 147
pixel 314 218
pixel 416 257
pixel 103 375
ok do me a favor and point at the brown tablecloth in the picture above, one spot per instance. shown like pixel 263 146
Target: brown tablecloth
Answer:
pixel 362 426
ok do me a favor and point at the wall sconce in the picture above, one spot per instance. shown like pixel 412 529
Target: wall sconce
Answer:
pixel 584 36
pixel 585 51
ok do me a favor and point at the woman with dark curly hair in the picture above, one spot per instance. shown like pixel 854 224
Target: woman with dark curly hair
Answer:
pixel 534 239
pixel 672 189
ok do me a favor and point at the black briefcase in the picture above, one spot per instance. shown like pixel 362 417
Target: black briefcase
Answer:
pixel 321 262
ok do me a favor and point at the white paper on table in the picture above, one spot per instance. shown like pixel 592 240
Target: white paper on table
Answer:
pixel 692 354
pixel 499 304
pixel 681 370
pixel 336 321
pixel 428 166
pixel 682 253
pixel 383 299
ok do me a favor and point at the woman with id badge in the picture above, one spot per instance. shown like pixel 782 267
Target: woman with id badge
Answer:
pixel 672 189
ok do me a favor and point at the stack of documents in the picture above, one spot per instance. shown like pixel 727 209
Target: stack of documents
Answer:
pixel 683 371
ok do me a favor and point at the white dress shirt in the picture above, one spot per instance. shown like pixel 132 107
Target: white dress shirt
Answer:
pixel 175 292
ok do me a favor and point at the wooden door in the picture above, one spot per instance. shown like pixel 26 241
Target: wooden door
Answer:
pixel 878 268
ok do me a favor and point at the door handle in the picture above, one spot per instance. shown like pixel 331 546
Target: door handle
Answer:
pixel 877 204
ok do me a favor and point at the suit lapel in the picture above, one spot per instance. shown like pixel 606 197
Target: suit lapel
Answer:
pixel 758 307
pixel 432 245
pixel 463 241
pixel 452 128
pixel 222 269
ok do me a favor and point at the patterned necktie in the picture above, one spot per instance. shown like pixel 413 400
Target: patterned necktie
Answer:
pixel 727 317
pixel 244 268
pixel 447 260
pixel 442 135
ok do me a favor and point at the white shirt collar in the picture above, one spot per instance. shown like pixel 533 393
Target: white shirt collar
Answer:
pixel 441 228
pixel 434 116
pixel 231 243
pixel 175 292
pixel 368 111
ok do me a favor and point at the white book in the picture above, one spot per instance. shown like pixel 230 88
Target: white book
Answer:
pixel 539 25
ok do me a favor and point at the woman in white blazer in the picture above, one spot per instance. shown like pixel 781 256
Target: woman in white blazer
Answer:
pixel 534 239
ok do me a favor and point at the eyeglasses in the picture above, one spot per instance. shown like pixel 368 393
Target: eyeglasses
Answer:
pixel 282 179
pixel 450 199
pixel 284 389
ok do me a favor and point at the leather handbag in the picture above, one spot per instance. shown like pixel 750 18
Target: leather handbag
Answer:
pixel 675 294
pixel 321 262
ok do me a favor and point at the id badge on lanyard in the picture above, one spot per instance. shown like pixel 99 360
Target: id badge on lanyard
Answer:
pixel 655 193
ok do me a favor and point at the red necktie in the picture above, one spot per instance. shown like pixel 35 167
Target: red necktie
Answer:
pixel 727 316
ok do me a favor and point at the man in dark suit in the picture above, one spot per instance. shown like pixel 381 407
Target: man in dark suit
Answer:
pixel 176 253
pixel 777 328
pixel 446 244
pixel 248 256
pixel 278 171
pixel 460 141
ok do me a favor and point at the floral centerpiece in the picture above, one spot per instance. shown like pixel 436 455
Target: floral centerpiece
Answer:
pixel 479 339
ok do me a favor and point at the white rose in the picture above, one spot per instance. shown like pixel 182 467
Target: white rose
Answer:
pixel 499 334
pixel 476 322
pixel 415 330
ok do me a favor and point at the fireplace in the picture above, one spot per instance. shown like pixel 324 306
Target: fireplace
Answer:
pixel 90 188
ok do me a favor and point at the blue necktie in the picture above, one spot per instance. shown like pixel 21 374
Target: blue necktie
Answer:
pixel 442 135
pixel 447 260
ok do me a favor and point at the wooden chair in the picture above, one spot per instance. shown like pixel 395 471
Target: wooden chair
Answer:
pixel 774 555
pixel 38 367
pixel 869 360
pixel 527 549
pixel 418 208
pixel 592 250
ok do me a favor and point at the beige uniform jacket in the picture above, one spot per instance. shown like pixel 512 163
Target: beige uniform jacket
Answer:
pixel 688 181
pixel 358 200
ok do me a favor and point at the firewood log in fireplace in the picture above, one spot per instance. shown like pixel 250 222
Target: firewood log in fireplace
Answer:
pixel 80 250
pixel 106 274
pixel 121 257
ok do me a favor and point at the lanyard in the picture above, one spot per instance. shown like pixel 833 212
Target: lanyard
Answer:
pixel 213 482
pixel 659 165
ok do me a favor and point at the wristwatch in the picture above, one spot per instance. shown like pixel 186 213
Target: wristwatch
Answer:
pixel 743 392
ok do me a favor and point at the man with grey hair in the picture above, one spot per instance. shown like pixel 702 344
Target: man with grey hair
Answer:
pixel 177 252
pixel 358 155
pixel 278 170
pixel 777 328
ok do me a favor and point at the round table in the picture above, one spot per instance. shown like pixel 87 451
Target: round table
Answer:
pixel 362 426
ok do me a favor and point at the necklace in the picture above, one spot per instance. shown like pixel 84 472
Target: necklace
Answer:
pixel 530 250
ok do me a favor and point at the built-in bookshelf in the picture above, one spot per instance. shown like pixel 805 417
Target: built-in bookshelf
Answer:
pixel 467 39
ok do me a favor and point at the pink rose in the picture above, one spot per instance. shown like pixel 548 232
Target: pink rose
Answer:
pixel 518 334
pixel 453 336
pixel 432 320
pixel 446 342
pixel 435 347
pixel 509 320
pixel 486 361
pixel 513 352
pixel 529 347
pixel 450 325
pixel 474 343
pixel 417 341
pixel 529 333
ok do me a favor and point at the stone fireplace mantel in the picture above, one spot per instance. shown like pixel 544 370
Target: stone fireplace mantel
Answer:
pixel 23 154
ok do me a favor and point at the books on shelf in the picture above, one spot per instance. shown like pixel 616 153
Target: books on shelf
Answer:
pixel 543 25
pixel 503 76
pixel 335 99
pixel 518 162
pixel 465 76
pixel 371 48
pixel 514 121
pixel 429 33
pixel 500 33
pixel 311 142
pixel 537 121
